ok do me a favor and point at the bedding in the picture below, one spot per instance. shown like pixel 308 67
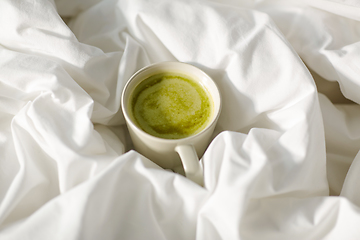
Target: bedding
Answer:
pixel 283 162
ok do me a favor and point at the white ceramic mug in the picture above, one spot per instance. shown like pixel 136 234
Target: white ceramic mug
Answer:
pixel 172 153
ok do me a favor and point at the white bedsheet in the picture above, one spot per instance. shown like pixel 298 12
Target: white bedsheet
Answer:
pixel 283 162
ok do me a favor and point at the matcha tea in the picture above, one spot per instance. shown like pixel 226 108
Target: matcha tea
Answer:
pixel 171 106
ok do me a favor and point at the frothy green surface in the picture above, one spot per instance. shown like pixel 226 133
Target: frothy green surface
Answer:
pixel 171 106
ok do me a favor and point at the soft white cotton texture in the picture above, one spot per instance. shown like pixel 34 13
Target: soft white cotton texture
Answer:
pixel 283 161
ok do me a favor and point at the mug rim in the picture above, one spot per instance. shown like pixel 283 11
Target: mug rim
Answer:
pixel 130 121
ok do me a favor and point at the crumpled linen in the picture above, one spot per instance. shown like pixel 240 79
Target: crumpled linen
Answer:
pixel 283 161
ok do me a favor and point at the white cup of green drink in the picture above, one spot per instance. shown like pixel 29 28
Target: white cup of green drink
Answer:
pixel 171 109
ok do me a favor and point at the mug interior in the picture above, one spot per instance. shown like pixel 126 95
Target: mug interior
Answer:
pixel 173 67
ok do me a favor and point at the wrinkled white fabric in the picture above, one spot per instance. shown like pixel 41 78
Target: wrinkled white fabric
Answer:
pixel 283 162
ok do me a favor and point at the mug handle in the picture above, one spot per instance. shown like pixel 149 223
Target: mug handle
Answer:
pixel 190 160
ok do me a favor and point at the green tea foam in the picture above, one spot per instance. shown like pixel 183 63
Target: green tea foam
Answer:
pixel 171 106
